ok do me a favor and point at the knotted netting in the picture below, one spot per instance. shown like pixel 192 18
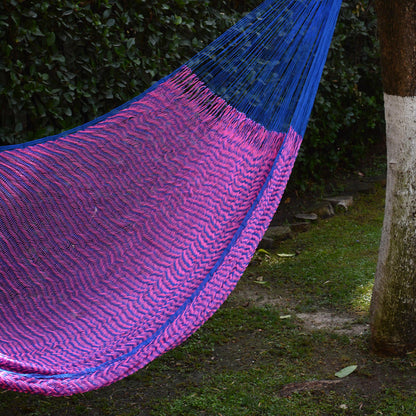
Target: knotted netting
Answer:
pixel 121 237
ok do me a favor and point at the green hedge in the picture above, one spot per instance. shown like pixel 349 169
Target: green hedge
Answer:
pixel 64 63
pixel 347 121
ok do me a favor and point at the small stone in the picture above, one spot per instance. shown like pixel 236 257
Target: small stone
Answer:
pixel 273 235
pixel 323 210
pixel 307 217
pixel 344 201
pixel 278 232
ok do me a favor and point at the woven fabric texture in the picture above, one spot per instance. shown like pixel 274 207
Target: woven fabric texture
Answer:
pixel 120 238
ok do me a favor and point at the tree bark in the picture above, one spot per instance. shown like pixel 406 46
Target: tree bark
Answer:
pixel 393 304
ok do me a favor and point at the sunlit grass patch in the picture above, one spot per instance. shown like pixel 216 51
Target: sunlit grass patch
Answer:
pixel 335 260
pixel 362 297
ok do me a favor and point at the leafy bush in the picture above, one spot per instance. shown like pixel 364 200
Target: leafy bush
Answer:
pixel 67 62
pixel 347 119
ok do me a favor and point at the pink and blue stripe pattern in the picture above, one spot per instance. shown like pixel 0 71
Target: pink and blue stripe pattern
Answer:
pixel 114 247
pixel 120 238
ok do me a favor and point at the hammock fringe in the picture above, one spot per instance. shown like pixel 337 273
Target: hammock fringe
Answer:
pixel 214 110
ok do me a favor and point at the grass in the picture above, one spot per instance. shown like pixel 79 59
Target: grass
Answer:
pixel 256 356
pixel 334 263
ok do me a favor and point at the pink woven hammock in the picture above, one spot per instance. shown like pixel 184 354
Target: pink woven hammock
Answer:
pixel 120 238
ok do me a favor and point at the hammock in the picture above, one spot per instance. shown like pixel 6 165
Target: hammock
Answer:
pixel 121 237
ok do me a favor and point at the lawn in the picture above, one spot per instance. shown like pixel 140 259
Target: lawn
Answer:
pixel 298 316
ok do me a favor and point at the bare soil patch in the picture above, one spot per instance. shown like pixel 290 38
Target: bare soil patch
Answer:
pixel 329 321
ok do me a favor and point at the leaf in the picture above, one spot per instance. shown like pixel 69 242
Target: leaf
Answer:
pixel 110 22
pixel 286 255
pixel 346 371
pixel 153 40
pixel 130 42
pixel 107 13
pixel 37 32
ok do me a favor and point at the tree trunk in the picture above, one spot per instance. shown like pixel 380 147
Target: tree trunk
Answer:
pixel 393 304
